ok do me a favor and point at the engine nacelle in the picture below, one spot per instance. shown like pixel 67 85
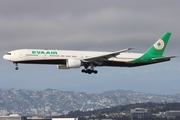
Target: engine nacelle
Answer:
pixel 70 63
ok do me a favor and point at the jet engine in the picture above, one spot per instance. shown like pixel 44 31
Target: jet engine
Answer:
pixel 70 63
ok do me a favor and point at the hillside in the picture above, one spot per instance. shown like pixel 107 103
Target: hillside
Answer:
pixel 51 101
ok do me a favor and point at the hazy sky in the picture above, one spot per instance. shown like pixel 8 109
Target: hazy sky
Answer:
pixel 105 25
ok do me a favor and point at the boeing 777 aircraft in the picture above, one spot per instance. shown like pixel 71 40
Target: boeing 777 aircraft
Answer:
pixel 66 59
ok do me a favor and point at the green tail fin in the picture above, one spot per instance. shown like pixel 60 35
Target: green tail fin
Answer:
pixel 158 48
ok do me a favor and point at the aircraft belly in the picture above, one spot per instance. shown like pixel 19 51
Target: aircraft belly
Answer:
pixel 46 61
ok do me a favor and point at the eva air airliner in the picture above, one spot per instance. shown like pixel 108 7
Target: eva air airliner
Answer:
pixel 66 59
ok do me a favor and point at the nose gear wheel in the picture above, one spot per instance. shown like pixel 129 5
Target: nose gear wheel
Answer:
pixel 16 68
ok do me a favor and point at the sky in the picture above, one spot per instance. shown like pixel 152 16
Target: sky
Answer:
pixel 91 25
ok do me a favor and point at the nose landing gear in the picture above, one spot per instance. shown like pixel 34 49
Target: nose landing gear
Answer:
pixel 16 68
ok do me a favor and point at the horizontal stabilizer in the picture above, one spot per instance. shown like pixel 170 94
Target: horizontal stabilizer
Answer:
pixel 163 58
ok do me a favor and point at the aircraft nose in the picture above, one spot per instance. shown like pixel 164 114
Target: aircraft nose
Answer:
pixel 8 56
pixel 5 57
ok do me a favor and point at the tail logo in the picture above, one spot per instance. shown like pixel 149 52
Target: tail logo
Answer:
pixel 159 45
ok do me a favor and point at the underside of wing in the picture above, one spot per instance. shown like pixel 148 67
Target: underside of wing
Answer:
pixel 105 56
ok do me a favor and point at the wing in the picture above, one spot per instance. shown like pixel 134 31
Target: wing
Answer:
pixel 105 56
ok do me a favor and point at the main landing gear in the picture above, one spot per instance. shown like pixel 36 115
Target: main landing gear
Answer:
pixel 89 70
pixel 16 68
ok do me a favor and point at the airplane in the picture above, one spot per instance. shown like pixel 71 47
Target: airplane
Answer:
pixel 66 59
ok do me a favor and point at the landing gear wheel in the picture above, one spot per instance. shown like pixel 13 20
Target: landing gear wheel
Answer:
pixel 83 70
pixel 89 68
pixel 89 71
pixel 16 68
pixel 95 71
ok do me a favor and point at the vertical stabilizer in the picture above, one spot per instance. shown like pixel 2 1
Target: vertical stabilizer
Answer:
pixel 158 48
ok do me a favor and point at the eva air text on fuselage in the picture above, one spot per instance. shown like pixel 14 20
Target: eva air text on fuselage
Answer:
pixel 44 52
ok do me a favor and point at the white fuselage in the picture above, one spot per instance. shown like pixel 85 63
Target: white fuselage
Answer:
pixel 23 55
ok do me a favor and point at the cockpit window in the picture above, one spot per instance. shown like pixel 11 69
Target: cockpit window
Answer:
pixel 8 53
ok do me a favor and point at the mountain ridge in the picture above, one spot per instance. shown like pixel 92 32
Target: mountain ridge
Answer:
pixel 60 102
